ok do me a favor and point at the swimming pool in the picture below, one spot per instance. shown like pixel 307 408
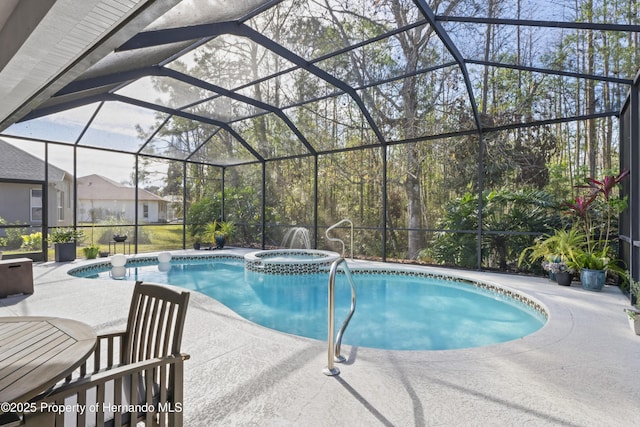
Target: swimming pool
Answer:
pixel 397 310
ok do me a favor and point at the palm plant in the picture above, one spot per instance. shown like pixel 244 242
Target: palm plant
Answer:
pixel 210 232
pixel 226 228
pixel 563 245
pixel 219 231
pixel 504 210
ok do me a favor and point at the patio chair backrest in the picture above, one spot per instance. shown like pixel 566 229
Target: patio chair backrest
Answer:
pixel 156 320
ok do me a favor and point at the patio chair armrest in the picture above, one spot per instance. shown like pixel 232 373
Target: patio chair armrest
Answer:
pixel 119 334
pixel 106 355
pixel 157 383
pixel 111 374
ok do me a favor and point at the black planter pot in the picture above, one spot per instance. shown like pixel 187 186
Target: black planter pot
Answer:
pixel 196 246
pixel 563 278
pixel 65 251
pixel 220 241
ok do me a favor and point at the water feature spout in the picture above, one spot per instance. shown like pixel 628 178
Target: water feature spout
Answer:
pixel 296 238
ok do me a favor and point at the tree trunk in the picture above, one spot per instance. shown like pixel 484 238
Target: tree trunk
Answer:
pixel 487 50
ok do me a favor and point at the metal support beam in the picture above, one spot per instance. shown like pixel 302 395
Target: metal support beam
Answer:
pixel 223 214
pixel 551 72
pixel 315 201
pixel 135 209
pixel 451 47
pixel 238 97
pixel 108 80
pixel 245 31
pixel 384 202
pixel 538 23
pixel 154 38
pixel 63 106
pixel 184 204
pixel 264 205
pixel 45 205
pixel 634 184
pixel 173 35
pixel 155 107
pixel 480 200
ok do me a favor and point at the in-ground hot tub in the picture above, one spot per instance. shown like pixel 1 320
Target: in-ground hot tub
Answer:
pixel 289 261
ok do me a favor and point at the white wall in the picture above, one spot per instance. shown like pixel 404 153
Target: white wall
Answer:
pixel 122 209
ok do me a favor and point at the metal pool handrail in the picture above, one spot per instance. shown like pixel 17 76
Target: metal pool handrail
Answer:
pixel 335 239
pixel 333 351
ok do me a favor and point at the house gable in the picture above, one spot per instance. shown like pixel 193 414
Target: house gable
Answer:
pixel 100 198
pixel 18 165
pixel 98 187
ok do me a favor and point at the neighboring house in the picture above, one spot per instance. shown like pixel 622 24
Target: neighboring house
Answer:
pixel 21 189
pixel 175 205
pixel 100 198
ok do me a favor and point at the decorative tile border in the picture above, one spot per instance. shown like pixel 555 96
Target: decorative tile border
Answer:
pixel 322 265
pixel 149 260
pixel 504 294
pixel 267 262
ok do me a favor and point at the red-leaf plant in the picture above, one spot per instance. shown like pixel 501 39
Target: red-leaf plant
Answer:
pixel 583 207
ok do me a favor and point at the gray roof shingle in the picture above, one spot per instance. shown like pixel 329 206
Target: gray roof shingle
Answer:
pixel 20 165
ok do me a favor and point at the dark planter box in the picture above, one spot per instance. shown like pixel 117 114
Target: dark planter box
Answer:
pixel 35 256
pixel 65 251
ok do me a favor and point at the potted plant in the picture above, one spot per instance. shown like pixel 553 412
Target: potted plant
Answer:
pixel 219 232
pixel 561 270
pixel 64 240
pixel 554 248
pixel 197 241
pixel 226 231
pixel 594 265
pixel 633 313
pixel 594 213
pixel 91 252
pixel 544 248
pixel 210 231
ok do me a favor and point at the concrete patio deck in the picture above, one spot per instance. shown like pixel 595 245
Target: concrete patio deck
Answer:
pixel 581 369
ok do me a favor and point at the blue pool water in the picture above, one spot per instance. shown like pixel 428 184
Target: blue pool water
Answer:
pixel 393 311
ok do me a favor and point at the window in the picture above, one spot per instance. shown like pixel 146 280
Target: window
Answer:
pixel 36 205
pixel 60 200
pixel 145 210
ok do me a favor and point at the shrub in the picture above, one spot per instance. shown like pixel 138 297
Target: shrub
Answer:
pixel 512 212
pixel 201 213
pixel 13 239
pixel 32 242
pixel 66 235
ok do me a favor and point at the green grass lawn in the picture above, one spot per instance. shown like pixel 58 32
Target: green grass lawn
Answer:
pixel 160 237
